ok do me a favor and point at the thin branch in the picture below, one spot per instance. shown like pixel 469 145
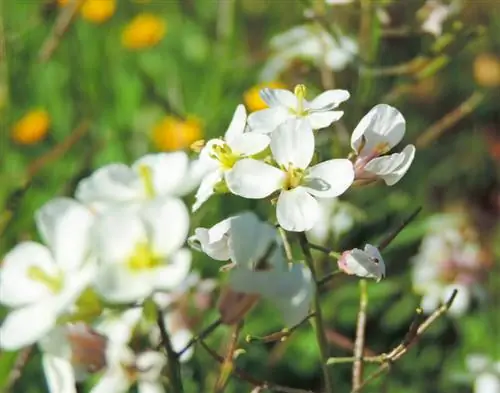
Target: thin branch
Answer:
pixel 227 365
pixel 437 129
pixel 318 324
pixel 61 25
pixel 173 361
pixel 391 236
pixel 286 244
pixel 200 336
pixel 281 335
pixel 250 379
pixel 359 343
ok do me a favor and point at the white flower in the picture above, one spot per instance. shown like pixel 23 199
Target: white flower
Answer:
pixel 378 132
pixel 40 283
pixel 437 14
pixel 140 250
pixel 292 145
pixel 335 217
pixel 486 373
pixel 310 43
pixel 363 263
pixel 261 270
pixel 154 175
pixel 220 155
pixel 285 105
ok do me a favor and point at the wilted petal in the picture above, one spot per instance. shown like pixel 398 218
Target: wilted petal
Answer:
pixel 171 275
pixel 206 189
pixel 329 100
pixel 393 167
pixel 297 210
pixel 266 120
pixel 117 233
pixel 367 263
pixel 167 223
pixel 384 124
pixel 16 287
pixel 330 178
pixel 320 120
pixel 254 179
pixel 279 97
pixel 249 143
pixel 58 374
pixel 238 123
pixel 65 225
pixel 292 143
pixel 168 171
pixel 24 326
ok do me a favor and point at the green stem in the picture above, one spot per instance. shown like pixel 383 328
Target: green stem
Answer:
pixel 317 322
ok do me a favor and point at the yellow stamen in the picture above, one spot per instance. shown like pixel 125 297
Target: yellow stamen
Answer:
pixel 198 145
pixel 54 283
pixel 300 93
pixel 142 258
pixel 226 157
pixel 147 178
pixel 293 178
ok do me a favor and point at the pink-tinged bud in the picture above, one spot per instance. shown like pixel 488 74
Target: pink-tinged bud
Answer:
pixel 233 306
pixel 363 263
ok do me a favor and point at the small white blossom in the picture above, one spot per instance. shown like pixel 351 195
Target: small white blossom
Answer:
pixel 486 373
pixel 311 43
pixel 436 15
pixel 377 133
pixel 140 251
pixel 363 263
pixel 292 146
pixel 285 105
pixel 41 283
pixel 220 155
pixel 154 175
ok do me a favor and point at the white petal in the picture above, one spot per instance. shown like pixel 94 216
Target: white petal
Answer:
pixel 116 235
pixel 237 125
pixel 249 143
pixel 320 120
pixel 329 100
pixel 119 327
pixel 65 224
pixel 16 287
pixel 293 143
pixel 118 284
pixel 171 275
pixel 110 184
pixel 19 329
pixel 58 374
pixel 213 241
pixel 196 172
pixel 279 97
pixel 115 381
pixel 250 239
pixel 167 222
pixel 206 189
pixel 297 210
pixel 266 120
pixel 254 179
pixel 383 124
pixel 180 338
pixel 152 363
pixel 150 387
pixel 330 178
pixel 487 383
pixel 363 264
pixel 393 167
pixel 168 171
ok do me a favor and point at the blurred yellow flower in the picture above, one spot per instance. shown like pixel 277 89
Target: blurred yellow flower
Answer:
pixel 143 31
pixel 252 98
pixel 487 70
pixel 172 133
pixel 31 128
pixel 97 11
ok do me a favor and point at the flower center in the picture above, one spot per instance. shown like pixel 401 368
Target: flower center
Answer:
pixel 54 283
pixel 142 258
pixel 225 155
pixel 293 178
pixel 147 179
pixel 300 93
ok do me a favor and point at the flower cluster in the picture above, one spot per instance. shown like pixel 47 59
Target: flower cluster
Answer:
pixel 113 260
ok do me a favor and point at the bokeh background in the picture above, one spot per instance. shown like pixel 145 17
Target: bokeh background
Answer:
pixel 121 78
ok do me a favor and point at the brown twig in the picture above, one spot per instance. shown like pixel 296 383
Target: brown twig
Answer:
pixel 61 25
pixel 359 343
pixel 250 379
pixel 437 129
pixel 281 335
pixel 391 236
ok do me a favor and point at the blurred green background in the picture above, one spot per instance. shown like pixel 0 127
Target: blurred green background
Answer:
pixel 123 78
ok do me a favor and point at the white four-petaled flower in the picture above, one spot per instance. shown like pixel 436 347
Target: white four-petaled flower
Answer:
pixel 292 146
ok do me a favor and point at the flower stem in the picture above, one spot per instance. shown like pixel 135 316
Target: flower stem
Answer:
pixel 317 322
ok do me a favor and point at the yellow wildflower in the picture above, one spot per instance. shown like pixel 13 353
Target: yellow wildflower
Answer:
pixel 252 98
pixel 143 31
pixel 31 128
pixel 97 11
pixel 487 70
pixel 172 133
